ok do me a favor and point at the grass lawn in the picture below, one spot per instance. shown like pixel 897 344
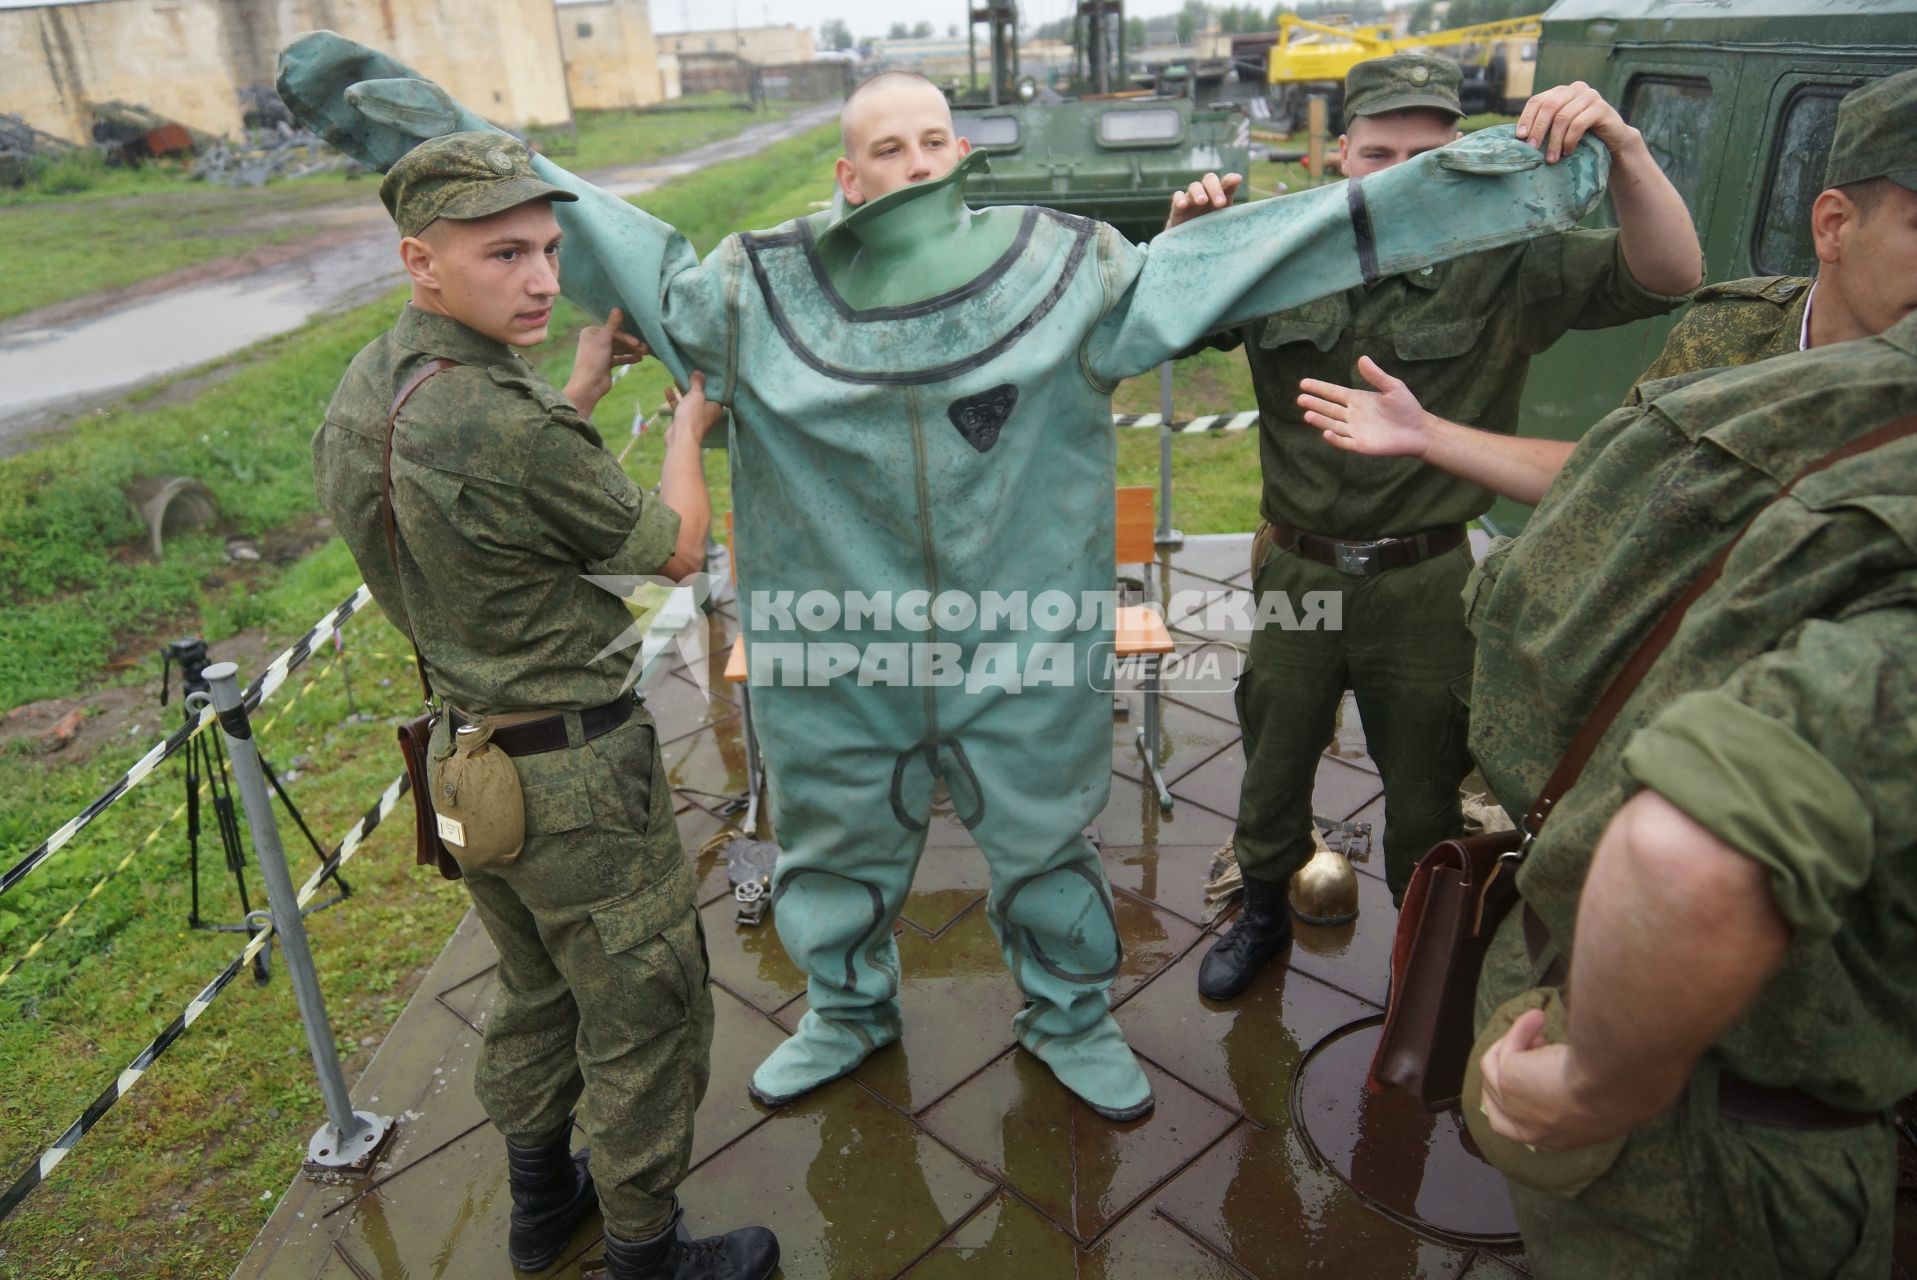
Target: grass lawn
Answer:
pixel 608 139
pixel 67 248
pixel 83 227
pixel 178 1177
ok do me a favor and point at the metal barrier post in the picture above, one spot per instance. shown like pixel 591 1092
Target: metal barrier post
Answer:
pixel 349 1139
pixel 1167 536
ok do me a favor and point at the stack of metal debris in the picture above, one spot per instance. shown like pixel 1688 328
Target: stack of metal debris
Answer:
pixel 272 145
pixel 131 133
pixel 21 144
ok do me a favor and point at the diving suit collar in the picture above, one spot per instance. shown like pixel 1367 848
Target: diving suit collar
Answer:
pixel 907 217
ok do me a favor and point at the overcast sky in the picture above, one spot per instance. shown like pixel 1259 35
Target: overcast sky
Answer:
pixel 866 17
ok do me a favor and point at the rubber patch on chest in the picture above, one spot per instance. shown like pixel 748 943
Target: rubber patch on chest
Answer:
pixel 978 418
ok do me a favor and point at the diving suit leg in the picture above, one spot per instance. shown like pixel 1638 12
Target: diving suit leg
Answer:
pixel 851 837
pixel 1051 905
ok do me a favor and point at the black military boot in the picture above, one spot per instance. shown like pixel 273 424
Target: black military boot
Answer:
pixel 552 1192
pixel 750 1253
pixel 1261 931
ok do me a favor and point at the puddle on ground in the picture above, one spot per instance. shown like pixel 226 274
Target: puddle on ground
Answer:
pixel 45 372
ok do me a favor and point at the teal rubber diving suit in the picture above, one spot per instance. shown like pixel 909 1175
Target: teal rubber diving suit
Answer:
pixel 920 400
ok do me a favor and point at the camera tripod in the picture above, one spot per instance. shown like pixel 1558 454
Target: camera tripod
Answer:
pixel 205 765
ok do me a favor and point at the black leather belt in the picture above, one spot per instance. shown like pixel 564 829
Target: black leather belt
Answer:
pixel 1779 1107
pixel 1362 559
pixel 548 733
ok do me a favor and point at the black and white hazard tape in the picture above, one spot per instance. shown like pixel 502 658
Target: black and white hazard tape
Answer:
pixel 36 1173
pixel 1194 426
pixel 262 688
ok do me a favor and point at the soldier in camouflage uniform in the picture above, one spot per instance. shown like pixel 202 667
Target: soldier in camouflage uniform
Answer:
pixel 504 496
pixel 1865 267
pixel 1733 879
pixel 1864 229
pixel 1387 535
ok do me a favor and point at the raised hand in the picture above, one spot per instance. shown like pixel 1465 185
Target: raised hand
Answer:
pixel 1555 120
pixel 1207 195
pixel 1386 423
pixel 602 347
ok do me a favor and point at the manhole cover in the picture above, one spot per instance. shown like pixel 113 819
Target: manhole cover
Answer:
pixel 1402 1161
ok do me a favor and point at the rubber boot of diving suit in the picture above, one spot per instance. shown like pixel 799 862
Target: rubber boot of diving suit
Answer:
pixel 552 1193
pixel 750 1253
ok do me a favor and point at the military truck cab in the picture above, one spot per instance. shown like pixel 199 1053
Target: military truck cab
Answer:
pixel 1737 103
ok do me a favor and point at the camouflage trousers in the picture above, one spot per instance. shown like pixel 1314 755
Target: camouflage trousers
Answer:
pixel 1403 649
pixel 602 1003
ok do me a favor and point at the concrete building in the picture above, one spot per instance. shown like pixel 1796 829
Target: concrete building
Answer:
pixel 612 58
pixel 761 46
pixel 186 59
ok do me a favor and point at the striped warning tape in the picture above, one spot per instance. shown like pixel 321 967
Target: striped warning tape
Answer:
pixel 36 1173
pixel 98 885
pixel 262 688
pixel 1195 426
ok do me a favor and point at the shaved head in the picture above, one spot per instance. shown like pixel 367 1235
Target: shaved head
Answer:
pixel 897 131
pixel 874 94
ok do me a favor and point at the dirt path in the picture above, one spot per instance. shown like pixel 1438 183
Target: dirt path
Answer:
pixel 63 361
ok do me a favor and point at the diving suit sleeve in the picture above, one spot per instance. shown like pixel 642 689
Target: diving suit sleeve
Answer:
pixel 376 109
pixel 1480 192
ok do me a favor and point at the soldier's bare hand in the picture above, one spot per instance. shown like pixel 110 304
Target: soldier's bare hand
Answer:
pixel 1386 423
pixel 692 413
pixel 1207 195
pixel 1554 121
pixel 1531 1094
pixel 602 348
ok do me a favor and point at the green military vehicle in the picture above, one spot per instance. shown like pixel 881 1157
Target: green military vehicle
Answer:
pixel 1737 102
pixel 1114 156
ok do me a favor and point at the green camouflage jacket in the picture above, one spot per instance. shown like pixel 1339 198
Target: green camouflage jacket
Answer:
pixel 504 497
pixel 1734 323
pixel 1783 716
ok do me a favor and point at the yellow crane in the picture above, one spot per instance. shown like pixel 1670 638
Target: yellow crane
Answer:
pixel 1310 54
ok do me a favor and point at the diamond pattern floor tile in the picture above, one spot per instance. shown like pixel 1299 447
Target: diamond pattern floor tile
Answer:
pixel 1017 1122
pixel 418 1225
pixel 1257 1198
pixel 709 764
pixel 851 1187
pixel 1132 817
pixel 1186 739
pixel 1171 875
pixel 741 1038
pixel 1243 1053
pixel 958 1001
pixel 1148 1246
pixel 950 879
pixel 697 827
pixel 749 960
pixel 1153 939
pixel 1006 1238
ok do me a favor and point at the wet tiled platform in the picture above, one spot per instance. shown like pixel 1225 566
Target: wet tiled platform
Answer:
pixel 955 1153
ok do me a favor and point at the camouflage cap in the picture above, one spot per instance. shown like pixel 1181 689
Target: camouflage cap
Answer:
pixel 462 176
pixel 1877 134
pixel 1402 82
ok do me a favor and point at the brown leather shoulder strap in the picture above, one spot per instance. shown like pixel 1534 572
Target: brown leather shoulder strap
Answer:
pixel 437 365
pixel 1625 683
